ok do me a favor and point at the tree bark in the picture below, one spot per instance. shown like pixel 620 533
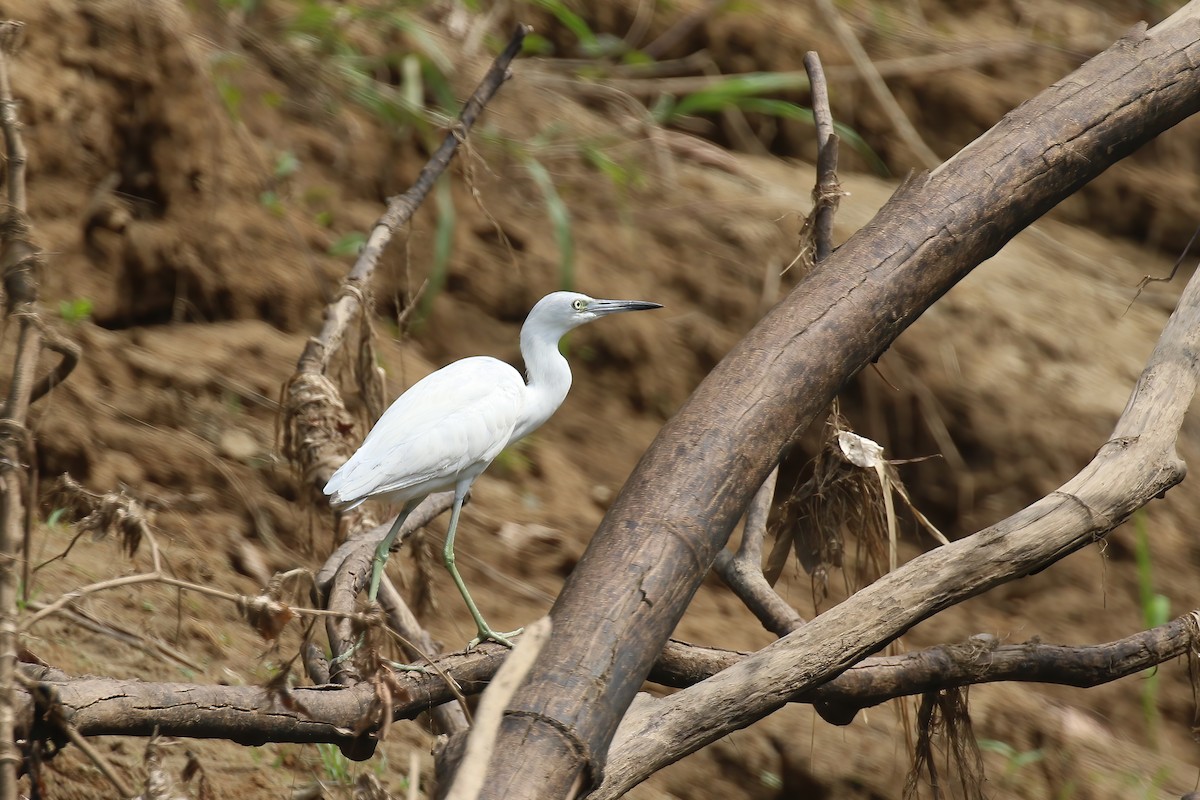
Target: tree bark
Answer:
pixel 676 512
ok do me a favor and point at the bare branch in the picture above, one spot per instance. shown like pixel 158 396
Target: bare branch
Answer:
pixel 1137 464
pixel 345 574
pixel 314 413
pixel 254 715
pixel 51 711
pixel 19 258
pixel 418 645
pixel 828 192
pixel 666 526
pixel 481 742
pixel 743 573
pixel 900 121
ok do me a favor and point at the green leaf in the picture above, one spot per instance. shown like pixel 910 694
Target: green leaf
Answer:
pixel 348 245
pixel 572 22
pixel 725 91
pixel 443 245
pixel 75 311
pixel 286 164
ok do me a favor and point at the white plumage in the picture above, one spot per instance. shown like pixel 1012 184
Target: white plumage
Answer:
pixel 448 427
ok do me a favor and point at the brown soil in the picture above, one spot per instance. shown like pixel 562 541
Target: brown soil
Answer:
pixel 155 131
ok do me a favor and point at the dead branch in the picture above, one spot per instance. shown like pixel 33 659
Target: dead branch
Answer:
pixel 418 646
pixel 1137 464
pixel 316 421
pixel 742 571
pixel 346 572
pixel 481 742
pixel 51 714
pixel 828 192
pixel 20 260
pixel 675 512
pixel 862 62
pixel 120 633
pixel 267 614
pixel 255 715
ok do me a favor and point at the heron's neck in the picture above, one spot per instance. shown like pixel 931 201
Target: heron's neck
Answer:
pixel 548 378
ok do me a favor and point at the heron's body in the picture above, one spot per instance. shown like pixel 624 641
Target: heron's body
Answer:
pixel 448 427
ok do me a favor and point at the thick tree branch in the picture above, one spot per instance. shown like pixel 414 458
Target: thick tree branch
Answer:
pixel 252 715
pixel 742 571
pixel 980 660
pixel 676 511
pixel 1137 464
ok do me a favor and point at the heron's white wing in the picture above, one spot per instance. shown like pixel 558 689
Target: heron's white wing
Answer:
pixel 448 426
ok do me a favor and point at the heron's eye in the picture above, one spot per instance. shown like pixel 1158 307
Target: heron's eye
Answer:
pixel 579 305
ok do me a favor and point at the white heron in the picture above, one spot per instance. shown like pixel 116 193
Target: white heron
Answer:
pixel 444 431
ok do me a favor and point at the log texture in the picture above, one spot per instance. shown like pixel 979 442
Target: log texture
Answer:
pixel 677 510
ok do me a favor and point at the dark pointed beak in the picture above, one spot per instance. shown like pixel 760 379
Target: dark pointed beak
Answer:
pixel 604 307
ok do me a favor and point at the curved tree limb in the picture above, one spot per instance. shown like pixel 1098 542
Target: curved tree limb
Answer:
pixel 1137 464
pixel 683 499
pixel 253 715
pixel 346 572
pixel 743 571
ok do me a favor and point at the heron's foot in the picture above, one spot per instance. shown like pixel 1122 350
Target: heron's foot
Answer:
pixel 486 634
pixel 409 668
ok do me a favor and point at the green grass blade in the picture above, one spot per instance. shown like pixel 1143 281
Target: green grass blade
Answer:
pixel 443 245
pixel 560 220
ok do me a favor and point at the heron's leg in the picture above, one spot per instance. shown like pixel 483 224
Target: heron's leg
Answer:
pixel 385 546
pixel 381 554
pixel 485 630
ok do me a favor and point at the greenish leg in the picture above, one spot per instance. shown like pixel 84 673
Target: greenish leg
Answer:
pixel 485 631
pixel 381 555
pixel 385 547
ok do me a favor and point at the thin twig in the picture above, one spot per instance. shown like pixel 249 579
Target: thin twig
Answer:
pixel 18 260
pixel 900 121
pixel 417 643
pixel 69 353
pixel 104 628
pixel 159 577
pixel 678 32
pixel 827 192
pixel 401 208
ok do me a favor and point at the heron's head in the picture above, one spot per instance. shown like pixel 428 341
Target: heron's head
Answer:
pixel 559 312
